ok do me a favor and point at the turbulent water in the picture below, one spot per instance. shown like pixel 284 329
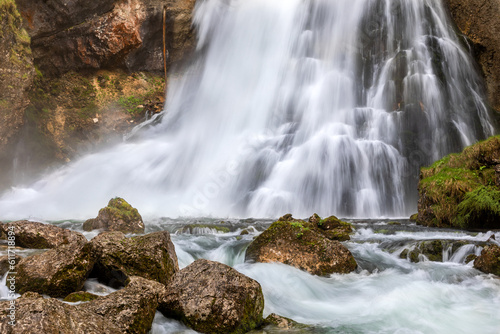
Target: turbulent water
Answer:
pixel 290 106
pixel 386 294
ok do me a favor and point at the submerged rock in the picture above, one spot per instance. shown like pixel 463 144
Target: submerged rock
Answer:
pixel 301 244
pixel 212 297
pixel 432 250
pixel 460 191
pixel 37 235
pixel 57 272
pixel 117 216
pixel 489 260
pixel 283 323
pixel 151 256
pixel 35 314
pixel 80 296
pixel 132 308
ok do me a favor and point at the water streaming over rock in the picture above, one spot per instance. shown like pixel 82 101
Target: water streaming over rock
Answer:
pixel 291 106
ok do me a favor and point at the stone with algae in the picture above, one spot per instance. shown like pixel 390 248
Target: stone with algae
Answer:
pixel 117 216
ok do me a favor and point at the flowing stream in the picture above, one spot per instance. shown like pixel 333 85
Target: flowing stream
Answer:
pixel 294 106
pixel 386 294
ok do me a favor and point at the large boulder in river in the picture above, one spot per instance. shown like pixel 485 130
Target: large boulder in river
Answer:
pixel 132 308
pixel 300 244
pixel 35 314
pixel 151 256
pixel 489 260
pixel 460 190
pixel 56 272
pixel 117 216
pixel 212 297
pixel 37 235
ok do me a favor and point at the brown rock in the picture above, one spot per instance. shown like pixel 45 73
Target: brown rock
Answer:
pixel 151 256
pixel 283 323
pixel 211 297
pixel 132 309
pixel 40 236
pixel 7 264
pixel 479 20
pixel 16 72
pixel 129 34
pixel 57 272
pixel 117 216
pixel 35 314
pixel 300 244
pixel 489 260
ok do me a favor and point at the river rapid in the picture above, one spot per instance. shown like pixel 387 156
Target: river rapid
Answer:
pixel 386 294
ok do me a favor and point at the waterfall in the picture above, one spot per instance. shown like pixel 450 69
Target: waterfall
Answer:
pixel 294 106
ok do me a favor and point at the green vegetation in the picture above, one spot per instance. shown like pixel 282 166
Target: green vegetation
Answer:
pixel 460 190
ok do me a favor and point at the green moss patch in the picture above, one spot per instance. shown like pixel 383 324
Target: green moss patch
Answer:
pixel 460 190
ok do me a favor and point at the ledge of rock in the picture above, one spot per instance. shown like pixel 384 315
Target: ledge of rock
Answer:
pixel 489 260
pixel 211 297
pixel 57 272
pixel 301 244
pixel 151 256
pixel 117 216
pixel 460 190
pixel 40 236
pixel 35 314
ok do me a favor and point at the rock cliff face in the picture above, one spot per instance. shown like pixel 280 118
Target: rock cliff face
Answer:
pixel 77 35
pixel 479 20
pixel 16 70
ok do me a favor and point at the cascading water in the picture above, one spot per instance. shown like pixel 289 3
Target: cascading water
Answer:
pixel 292 106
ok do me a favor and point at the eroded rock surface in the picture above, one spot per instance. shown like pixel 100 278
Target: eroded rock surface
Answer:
pixel 57 272
pixel 37 235
pixel 117 216
pixel 489 260
pixel 35 314
pixel 211 297
pixel 301 244
pixel 151 256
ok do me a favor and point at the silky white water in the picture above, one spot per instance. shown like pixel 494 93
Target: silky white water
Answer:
pixel 294 106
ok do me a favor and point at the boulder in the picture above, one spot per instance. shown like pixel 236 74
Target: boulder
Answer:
pixel 332 227
pixel 117 216
pixel 56 272
pixel 80 296
pixel 459 190
pixel 36 235
pixel 302 245
pixel 35 314
pixel 489 260
pixel 7 263
pixel 212 297
pixel 151 256
pixel 132 308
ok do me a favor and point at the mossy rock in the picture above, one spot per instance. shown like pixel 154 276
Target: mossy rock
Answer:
pixel 303 245
pixel 117 216
pixel 332 227
pixel 80 296
pixel 460 190
pixel 489 260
